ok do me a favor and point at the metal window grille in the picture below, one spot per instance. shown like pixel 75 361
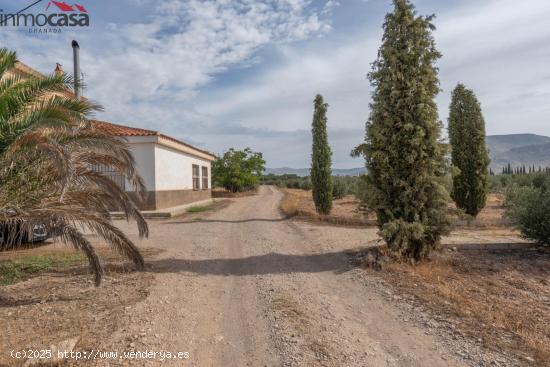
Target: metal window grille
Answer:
pixel 110 173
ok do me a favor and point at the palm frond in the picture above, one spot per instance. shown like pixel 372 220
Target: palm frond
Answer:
pixel 7 61
pixel 70 235
pixel 48 154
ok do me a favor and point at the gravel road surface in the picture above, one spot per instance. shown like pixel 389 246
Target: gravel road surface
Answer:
pixel 244 286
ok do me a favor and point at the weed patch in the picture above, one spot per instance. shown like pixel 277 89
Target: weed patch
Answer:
pixel 13 271
pixel 199 209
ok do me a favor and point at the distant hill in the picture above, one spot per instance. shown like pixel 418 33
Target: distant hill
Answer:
pixel 518 150
pixel 305 171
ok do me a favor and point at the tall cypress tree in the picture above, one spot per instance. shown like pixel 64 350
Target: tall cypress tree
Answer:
pixel 469 153
pixel 404 157
pixel 321 171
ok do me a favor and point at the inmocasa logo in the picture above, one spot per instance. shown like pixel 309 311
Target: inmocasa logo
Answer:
pixel 58 14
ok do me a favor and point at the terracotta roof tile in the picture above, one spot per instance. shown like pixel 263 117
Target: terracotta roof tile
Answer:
pixel 121 130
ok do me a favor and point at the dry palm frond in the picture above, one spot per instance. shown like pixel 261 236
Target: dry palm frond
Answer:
pixel 48 151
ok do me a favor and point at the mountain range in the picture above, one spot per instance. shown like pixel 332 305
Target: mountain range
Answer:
pixel 516 149
pixel 305 171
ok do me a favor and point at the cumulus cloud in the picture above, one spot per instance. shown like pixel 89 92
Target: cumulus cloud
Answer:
pixel 181 46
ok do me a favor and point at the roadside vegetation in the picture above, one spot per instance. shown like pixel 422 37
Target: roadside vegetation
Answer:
pixel 48 149
pixel 198 209
pixel 345 211
pixel 470 159
pixel 494 295
pixel 321 159
pixel 341 185
pixel 404 157
pixel 488 279
pixel 238 170
pixel 529 207
pixel 13 271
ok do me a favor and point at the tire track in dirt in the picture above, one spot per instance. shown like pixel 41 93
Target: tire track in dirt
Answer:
pixel 246 287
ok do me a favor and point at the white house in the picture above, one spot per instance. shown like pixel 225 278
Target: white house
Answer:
pixel 174 172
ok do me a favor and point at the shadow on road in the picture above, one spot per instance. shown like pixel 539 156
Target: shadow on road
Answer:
pixel 272 263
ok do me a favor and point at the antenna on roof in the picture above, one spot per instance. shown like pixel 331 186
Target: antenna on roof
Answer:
pixel 76 63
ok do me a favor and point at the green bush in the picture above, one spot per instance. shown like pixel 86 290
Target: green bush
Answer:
pixel 501 183
pixel 305 184
pixel 339 188
pixel 238 170
pixel 529 209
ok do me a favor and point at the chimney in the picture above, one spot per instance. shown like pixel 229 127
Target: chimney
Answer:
pixel 76 62
pixel 59 69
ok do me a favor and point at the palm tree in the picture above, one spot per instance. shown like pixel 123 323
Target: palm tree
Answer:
pixel 48 151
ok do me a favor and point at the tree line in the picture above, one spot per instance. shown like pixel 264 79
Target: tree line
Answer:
pixel 407 161
pixel 405 156
pixel 523 170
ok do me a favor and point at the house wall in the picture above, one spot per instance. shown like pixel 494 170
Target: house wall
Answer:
pixel 167 174
pixel 174 177
pixel 174 169
pixel 144 155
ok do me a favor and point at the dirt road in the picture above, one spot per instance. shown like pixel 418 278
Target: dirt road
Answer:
pixel 245 287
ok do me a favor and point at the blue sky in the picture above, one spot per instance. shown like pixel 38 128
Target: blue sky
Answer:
pixel 223 73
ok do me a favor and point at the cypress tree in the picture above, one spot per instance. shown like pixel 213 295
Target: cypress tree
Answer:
pixel 469 153
pixel 404 157
pixel 321 172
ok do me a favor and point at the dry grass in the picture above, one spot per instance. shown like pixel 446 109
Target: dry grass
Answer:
pixel 345 211
pixel 501 296
pixel 61 302
pixel 491 216
pixel 299 204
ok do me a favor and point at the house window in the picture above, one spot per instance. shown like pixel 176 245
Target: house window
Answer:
pixel 196 178
pixel 110 173
pixel 204 178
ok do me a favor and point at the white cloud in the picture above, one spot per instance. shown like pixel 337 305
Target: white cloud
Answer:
pixel 496 48
pixel 499 49
pixel 152 73
pixel 183 46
